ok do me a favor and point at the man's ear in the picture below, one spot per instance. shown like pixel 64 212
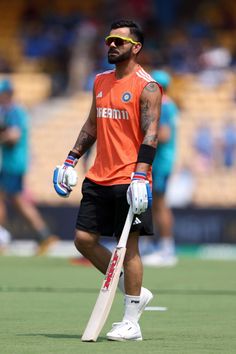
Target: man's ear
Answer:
pixel 136 48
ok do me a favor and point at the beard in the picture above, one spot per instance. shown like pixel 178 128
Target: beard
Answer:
pixel 118 58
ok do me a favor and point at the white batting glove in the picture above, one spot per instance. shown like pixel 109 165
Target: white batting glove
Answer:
pixel 139 195
pixel 65 177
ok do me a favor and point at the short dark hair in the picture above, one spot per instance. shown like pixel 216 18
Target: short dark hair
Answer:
pixel 134 27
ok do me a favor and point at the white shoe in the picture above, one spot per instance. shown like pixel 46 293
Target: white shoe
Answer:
pixel 145 297
pixel 160 259
pixel 125 330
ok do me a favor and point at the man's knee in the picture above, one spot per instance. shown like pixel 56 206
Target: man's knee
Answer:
pixel 84 240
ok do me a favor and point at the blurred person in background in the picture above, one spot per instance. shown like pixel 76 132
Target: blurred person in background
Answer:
pixel 204 147
pixel 229 144
pixel 164 251
pixel 14 148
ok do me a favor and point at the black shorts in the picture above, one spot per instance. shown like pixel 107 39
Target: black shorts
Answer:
pixel 103 211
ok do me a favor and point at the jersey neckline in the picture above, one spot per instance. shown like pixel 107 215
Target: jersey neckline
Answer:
pixel 125 78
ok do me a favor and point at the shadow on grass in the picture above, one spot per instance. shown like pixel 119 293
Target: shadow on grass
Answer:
pixel 52 335
pixel 75 336
pixel 60 336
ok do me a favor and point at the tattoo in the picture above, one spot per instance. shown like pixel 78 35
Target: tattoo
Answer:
pixel 84 142
pixel 151 87
pixel 146 117
pixel 149 110
pixel 151 140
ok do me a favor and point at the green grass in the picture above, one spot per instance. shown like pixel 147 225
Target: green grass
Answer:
pixel 45 304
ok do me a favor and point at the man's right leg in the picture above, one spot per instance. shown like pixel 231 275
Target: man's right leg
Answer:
pixel 88 245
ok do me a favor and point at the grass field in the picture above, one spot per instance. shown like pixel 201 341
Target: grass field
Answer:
pixel 45 304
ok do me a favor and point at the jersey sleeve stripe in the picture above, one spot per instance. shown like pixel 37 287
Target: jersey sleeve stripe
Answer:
pixel 143 77
pixel 146 74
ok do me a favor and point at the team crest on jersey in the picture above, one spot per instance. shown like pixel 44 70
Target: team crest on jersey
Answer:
pixel 126 97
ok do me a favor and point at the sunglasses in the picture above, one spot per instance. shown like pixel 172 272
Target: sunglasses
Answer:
pixel 118 40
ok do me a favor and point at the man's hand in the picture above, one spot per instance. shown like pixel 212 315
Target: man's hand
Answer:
pixel 65 177
pixel 139 195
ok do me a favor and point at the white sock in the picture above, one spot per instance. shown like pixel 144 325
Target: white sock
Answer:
pixel 131 308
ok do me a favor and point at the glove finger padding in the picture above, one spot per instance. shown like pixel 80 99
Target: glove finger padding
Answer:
pixel 70 177
pixel 139 194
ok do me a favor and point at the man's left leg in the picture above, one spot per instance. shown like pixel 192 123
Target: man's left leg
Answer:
pixel 128 328
pixel 133 268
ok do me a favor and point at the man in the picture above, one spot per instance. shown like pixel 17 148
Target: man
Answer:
pixel 163 165
pixel 14 163
pixel 123 119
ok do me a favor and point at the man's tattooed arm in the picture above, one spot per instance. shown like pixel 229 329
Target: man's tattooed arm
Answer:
pixel 83 142
pixel 150 108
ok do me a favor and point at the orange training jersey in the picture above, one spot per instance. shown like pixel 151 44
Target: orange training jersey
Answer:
pixel 119 133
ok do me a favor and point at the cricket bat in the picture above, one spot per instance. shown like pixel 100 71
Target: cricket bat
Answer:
pixel 107 292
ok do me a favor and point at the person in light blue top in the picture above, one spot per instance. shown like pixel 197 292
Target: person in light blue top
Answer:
pixel 14 151
pixel 162 168
pixel 15 156
pixel 13 140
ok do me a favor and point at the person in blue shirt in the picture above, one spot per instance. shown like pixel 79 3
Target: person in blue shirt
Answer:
pixel 229 144
pixel 14 151
pixel 164 253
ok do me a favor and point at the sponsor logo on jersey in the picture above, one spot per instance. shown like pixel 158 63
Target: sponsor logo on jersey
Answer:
pixel 126 97
pixel 105 112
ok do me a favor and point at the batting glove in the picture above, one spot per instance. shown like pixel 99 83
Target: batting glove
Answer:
pixel 65 177
pixel 139 194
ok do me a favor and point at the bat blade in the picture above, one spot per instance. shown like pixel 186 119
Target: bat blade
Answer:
pixel 106 296
pixel 107 293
